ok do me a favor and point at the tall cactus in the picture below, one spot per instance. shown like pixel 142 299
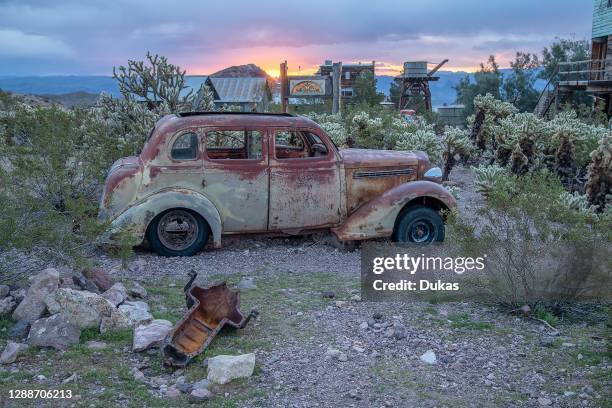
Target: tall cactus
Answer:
pixel 599 176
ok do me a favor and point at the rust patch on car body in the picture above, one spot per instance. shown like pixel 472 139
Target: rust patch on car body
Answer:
pixel 209 311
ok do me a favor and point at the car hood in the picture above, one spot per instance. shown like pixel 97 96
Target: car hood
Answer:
pixel 364 158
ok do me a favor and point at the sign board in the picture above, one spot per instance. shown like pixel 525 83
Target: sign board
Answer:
pixel 307 87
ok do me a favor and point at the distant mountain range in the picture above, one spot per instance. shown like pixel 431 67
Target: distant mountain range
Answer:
pixel 55 86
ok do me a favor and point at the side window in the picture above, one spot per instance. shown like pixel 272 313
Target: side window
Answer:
pixel 185 147
pixel 234 144
pixel 288 144
pixel 317 147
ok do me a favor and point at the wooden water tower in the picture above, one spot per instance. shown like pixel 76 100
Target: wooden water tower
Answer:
pixel 414 85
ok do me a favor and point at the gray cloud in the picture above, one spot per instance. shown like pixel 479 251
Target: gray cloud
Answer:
pixel 90 36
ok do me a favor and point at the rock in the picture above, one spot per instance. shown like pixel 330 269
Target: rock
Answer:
pixel 99 278
pixel 172 392
pixel 341 303
pixel 32 307
pixel 56 331
pixel 67 283
pixel 491 377
pixel 85 284
pixel 328 294
pixel 363 326
pixel 359 349
pixel 20 330
pixel 86 309
pixel 429 357
pixel 377 316
pixel 18 294
pixel 223 369
pixel 337 354
pixel 7 305
pixel 203 383
pixel 136 290
pixel 568 393
pixel 544 401
pixel 4 291
pixel 150 335
pixel 201 394
pixel 11 352
pixel 73 378
pixel 568 345
pixel 185 388
pixel 525 309
pixel 96 345
pixel 116 294
pixel 136 312
pixel 246 283
pixel 139 376
pixel 399 331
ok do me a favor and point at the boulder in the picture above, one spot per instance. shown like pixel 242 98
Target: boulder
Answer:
pixel 86 309
pixel 223 369
pixel 136 312
pixel 18 294
pixel 56 331
pixel 67 283
pixel 96 345
pixel 99 278
pixel 85 284
pixel 136 290
pixel 11 352
pixel 200 394
pixel 7 305
pixel 4 291
pixel 20 330
pixel 32 307
pixel 246 284
pixel 116 294
pixel 150 335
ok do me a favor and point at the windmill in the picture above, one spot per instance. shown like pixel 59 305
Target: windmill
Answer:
pixel 414 85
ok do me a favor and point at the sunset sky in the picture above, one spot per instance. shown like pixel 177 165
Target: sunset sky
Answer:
pixel 85 37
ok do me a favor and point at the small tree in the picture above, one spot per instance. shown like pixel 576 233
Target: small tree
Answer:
pixel 365 90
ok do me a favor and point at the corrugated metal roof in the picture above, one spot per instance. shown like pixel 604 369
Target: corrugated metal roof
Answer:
pixel 239 89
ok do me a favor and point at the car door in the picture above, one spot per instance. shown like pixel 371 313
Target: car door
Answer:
pixel 304 180
pixel 236 176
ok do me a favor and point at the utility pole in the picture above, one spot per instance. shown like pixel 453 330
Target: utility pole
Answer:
pixel 336 74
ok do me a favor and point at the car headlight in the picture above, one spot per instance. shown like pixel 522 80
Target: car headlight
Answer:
pixel 433 174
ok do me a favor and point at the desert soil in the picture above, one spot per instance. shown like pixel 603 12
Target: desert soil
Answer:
pixel 313 349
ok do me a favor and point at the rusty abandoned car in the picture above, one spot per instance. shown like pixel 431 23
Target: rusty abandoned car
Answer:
pixel 209 174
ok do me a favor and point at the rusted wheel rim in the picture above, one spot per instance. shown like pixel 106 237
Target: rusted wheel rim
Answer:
pixel 177 230
pixel 421 231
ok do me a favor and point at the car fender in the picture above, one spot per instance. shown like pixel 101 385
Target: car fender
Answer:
pixel 137 217
pixel 376 218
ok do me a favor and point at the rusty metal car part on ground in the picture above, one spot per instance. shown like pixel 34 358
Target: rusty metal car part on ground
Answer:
pixel 209 311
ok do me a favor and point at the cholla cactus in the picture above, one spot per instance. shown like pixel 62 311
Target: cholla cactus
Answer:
pixel 368 131
pixel 565 161
pixel 488 113
pixel 576 202
pixel 519 163
pixel 203 100
pixel 457 145
pixel 333 126
pixel 424 139
pixel 599 178
pixel 487 176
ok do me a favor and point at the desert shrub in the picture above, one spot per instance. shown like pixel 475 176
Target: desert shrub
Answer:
pixel 542 246
pixel 457 146
pixel 54 161
pixel 488 112
pixel 333 126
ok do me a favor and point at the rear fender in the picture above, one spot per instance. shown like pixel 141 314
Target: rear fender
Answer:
pixel 376 218
pixel 137 218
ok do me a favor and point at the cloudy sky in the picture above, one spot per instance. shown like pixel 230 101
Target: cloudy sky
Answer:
pixel 44 37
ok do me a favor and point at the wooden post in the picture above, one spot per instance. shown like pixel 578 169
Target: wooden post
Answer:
pixel 336 74
pixel 284 84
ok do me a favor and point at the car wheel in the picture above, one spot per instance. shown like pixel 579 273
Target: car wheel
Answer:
pixel 178 232
pixel 420 225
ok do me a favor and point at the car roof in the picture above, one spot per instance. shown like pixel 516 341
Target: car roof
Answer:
pixel 237 119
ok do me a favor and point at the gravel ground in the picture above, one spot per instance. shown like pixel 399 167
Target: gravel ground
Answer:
pixel 348 353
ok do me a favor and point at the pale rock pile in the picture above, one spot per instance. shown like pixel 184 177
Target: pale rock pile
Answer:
pixel 52 311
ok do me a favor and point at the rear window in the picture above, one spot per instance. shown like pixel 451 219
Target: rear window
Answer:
pixel 234 144
pixel 185 147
